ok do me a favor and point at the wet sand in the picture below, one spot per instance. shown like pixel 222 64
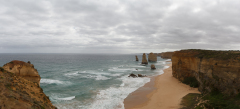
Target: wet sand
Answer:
pixel 162 92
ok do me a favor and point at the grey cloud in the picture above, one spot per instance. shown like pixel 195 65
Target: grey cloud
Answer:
pixel 119 25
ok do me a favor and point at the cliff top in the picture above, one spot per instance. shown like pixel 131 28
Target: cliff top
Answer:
pixel 17 62
pixel 207 54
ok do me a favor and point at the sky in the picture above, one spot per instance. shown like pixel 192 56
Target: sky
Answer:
pixel 118 26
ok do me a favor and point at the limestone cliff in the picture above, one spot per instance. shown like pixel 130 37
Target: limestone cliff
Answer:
pixel 166 55
pixel 144 59
pixel 23 69
pixel 213 69
pixel 152 57
pixel 19 93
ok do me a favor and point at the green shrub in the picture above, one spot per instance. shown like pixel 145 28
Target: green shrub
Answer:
pixel 1 69
pixel 217 100
pixel 191 81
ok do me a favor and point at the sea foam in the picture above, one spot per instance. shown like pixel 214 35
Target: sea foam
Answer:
pixel 51 81
pixel 113 97
pixel 66 98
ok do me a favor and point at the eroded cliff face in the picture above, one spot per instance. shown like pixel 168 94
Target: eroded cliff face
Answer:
pixel 19 93
pixel 166 55
pixel 23 69
pixel 213 69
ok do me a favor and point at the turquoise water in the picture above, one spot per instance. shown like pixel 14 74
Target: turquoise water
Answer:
pixel 87 81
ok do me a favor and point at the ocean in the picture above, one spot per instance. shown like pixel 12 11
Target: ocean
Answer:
pixel 88 81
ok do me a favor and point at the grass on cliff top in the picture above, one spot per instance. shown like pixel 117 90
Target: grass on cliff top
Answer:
pixel 225 55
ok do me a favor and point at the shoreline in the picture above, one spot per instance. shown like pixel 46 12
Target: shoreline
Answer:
pixel 163 91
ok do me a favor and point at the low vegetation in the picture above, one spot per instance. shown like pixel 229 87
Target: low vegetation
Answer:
pixel 190 100
pixel 225 55
pixel 212 100
pixel 1 69
pixel 217 100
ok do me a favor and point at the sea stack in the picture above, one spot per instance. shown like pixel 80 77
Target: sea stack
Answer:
pixel 152 57
pixel 144 59
pixel 136 58
pixel 153 67
pixel 24 70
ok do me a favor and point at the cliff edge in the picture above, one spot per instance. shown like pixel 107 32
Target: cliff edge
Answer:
pixel 18 92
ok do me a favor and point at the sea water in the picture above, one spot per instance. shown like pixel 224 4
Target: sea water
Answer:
pixel 88 81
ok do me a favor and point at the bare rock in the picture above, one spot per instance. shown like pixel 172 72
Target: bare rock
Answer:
pixel 144 59
pixel 24 70
pixel 140 75
pixel 132 75
pixel 136 58
pixel 153 66
pixel 152 57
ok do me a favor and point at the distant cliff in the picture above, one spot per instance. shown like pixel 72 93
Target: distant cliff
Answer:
pixel 19 92
pixel 166 55
pixel 213 69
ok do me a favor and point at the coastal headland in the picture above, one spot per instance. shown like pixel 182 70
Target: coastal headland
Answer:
pixel 20 88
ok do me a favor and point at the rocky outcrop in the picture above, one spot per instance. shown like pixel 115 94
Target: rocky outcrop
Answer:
pixel 152 57
pixel 135 76
pixel 140 75
pixel 214 70
pixel 153 67
pixel 132 75
pixel 136 58
pixel 166 55
pixel 19 93
pixel 24 70
pixel 144 59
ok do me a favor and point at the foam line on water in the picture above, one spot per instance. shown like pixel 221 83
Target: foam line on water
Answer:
pixel 66 98
pixel 165 67
pixel 114 69
pixel 51 81
pixel 168 60
pixel 96 77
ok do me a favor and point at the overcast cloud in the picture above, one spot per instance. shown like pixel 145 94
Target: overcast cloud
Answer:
pixel 118 26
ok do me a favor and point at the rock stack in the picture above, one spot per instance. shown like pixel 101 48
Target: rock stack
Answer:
pixel 152 57
pixel 136 58
pixel 153 67
pixel 144 59
pixel 24 70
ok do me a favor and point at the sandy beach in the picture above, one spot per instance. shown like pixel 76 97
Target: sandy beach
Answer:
pixel 162 92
